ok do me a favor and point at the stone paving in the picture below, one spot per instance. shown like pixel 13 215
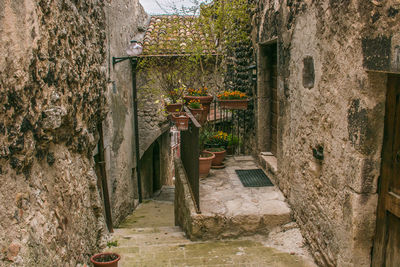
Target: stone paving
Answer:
pixel 149 238
pixel 223 193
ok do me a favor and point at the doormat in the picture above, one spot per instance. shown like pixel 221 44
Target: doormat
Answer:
pixel 253 178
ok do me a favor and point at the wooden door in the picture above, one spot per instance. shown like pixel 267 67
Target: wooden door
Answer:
pixel 387 240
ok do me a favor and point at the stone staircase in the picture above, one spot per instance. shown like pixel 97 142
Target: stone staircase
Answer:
pixel 149 238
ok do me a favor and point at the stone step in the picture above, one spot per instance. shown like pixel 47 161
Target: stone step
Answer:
pixel 269 164
pixel 146 230
pixel 161 245
pixel 214 253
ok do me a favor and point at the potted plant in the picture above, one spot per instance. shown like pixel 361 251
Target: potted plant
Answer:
pixel 197 110
pixel 216 139
pixel 220 154
pixel 174 100
pixel 181 120
pixel 233 100
pixel 106 259
pixel 201 95
pixel 205 161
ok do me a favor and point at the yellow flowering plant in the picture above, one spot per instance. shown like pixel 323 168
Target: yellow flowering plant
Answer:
pixel 232 95
pixel 198 92
pixel 218 138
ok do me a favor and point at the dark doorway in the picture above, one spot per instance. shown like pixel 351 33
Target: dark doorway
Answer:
pixel 268 98
pixel 150 168
pixel 387 240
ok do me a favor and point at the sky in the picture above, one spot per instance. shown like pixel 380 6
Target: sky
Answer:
pixel 152 8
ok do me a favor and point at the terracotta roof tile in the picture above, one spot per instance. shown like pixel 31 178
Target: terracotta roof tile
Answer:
pixel 176 35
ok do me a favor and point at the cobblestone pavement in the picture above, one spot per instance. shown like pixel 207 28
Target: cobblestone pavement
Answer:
pixel 149 238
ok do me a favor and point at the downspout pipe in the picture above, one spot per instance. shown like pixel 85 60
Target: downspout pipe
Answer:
pixel 134 62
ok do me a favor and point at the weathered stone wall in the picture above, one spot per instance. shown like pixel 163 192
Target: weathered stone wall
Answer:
pixel 51 99
pixel 183 204
pixel 152 119
pixel 53 91
pixel 126 21
pixel 328 100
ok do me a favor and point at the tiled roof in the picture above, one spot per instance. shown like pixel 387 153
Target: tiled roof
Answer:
pixel 176 35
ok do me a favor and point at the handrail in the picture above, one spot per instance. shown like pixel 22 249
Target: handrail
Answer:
pixel 195 122
pixel 190 157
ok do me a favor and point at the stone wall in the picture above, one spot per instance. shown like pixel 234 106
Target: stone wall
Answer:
pixel 51 97
pixel 126 21
pixel 328 102
pixel 183 204
pixel 53 80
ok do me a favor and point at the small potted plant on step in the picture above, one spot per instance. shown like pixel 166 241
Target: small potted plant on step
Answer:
pixel 106 259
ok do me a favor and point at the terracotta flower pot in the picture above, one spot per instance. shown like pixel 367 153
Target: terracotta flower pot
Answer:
pixel 204 100
pixel 219 157
pixel 197 113
pixel 200 115
pixel 176 107
pixel 100 260
pixel 181 120
pixel 205 163
pixel 233 103
pixel 207 99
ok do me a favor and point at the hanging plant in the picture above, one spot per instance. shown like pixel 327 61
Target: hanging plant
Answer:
pixel 233 100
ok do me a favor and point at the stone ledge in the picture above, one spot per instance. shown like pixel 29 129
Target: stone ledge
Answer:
pixel 270 165
pixel 232 223
pixel 184 206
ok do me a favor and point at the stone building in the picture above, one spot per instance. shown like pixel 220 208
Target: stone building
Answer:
pixel 57 86
pixel 326 79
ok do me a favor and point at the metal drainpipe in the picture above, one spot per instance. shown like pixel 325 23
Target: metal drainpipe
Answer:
pixel 134 62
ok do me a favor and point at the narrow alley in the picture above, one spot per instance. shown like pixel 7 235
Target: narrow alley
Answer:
pixel 200 133
pixel 149 236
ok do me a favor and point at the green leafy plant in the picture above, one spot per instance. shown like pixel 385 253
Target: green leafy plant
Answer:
pixel 232 140
pixel 195 104
pixel 112 244
pixel 216 149
pixel 175 95
pixel 206 154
